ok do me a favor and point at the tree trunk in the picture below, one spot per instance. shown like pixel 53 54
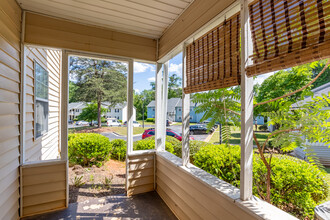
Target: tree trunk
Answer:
pixel 268 183
pixel 99 113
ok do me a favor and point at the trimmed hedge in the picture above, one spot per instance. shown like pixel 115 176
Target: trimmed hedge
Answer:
pixel 194 147
pixel 88 149
pixel 118 149
pixel 149 143
pixel 150 120
pixel 296 186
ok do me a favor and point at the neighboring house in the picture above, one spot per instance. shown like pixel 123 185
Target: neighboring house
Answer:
pixel 174 110
pixel 119 111
pixel 171 104
pixel 321 150
pixel 194 117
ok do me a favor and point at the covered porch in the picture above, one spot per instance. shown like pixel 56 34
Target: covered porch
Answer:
pixel 159 185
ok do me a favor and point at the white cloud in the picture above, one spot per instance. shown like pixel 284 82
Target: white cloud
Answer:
pixel 262 78
pixel 143 67
pixel 175 68
pixel 137 90
pixel 151 79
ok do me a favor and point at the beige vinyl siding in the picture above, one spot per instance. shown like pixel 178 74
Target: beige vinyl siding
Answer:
pixel 57 33
pixel 44 187
pixel 141 173
pixel 47 146
pixel 190 198
pixel 10 28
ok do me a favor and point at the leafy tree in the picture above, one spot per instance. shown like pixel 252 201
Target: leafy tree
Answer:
pixel 90 112
pixel 216 104
pixel 99 81
pixel 324 78
pixel 73 92
pixel 174 87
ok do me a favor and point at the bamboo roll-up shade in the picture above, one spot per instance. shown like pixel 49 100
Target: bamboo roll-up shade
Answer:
pixel 213 60
pixel 287 33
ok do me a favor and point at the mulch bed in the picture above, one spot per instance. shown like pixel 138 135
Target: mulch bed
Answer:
pixel 95 181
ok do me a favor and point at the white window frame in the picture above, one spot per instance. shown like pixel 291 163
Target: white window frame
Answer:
pixel 40 100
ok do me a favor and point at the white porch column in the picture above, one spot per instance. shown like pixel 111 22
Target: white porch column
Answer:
pixel 130 107
pixel 158 109
pixel 246 108
pixel 164 105
pixel 185 113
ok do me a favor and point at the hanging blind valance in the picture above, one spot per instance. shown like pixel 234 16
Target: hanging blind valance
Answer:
pixel 213 60
pixel 287 33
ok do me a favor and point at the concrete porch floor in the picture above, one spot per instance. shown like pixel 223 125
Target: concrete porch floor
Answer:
pixel 143 206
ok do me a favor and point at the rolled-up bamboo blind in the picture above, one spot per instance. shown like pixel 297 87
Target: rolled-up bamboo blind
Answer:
pixel 287 33
pixel 213 60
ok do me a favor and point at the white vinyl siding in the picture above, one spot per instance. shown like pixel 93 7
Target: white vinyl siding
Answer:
pixel 10 27
pixel 47 146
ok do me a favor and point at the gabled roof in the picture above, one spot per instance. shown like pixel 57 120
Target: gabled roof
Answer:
pixel 171 104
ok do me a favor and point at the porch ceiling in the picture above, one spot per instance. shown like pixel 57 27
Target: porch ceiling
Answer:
pixel 147 18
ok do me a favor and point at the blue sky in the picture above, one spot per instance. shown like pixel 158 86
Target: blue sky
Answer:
pixel 145 73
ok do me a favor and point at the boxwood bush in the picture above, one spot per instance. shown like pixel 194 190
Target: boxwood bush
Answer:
pixel 296 186
pixel 194 147
pixel 118 149
pixel 88 149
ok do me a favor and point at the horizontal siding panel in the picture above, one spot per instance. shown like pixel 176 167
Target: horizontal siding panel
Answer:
pixel 43 198
pixel 10 97
pixel 8 157
pixel 9 120
pixel 138 174
pixel 44 169
pixel 141 165
pixel 46 207
pixel 9 85
pixel 9 49
pixel 44 188
pixel 7 133
pixel 141 189
pixel 9 145
pixel 12 10
pixel 9 60
pixel 11 203
pixel 9 108
pixel 141 181
pixel 9 73
pixel 45 178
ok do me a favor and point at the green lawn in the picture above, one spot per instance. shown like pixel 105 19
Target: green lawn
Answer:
pixel 236 136
pixel 145 123
pixel 123 130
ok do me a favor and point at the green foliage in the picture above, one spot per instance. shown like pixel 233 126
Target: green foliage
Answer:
pixel 296 186
pixel 87 149
pixel 73 92
pixel 263 127
pixel 118 149
pixel 103 120
pixel 222 161
pixel 149 143
pixel 194 147
pixel 98 80
pixel 150 120
pixel 78 181
pixel 324 78
pixel 90 113
pixel 174 87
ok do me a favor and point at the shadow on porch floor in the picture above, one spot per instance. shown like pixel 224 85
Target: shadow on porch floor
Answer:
pixel 143 206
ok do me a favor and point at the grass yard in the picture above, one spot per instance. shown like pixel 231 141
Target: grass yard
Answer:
pixel 105 129
pixel 236 136
pixel 145 123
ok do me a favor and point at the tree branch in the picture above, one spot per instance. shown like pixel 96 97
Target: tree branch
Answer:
pixel 275 133
pixel 298 90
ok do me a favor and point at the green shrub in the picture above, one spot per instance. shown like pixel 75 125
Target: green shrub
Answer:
pixel 194 146
pixel 150 120
pixel 103 120
pixel 296 186
pixel 149 143
pixel 118 149
pixel 263 127
pixel 88 149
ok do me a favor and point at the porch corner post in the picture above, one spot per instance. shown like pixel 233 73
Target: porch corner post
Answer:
pixel 64 94
pixel 185 113
pixel 129 148
pixel 164 105
pixel 246 107
pixel 158 108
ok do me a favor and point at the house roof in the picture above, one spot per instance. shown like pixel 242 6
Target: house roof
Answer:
pixel 324 89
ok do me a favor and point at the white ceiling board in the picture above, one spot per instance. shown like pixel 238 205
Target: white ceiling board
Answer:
pixel 148 18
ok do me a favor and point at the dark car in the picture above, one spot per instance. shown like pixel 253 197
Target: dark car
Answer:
pixel 151 131
pixel 199 129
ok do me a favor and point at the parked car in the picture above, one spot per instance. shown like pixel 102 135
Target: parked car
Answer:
pixel 82 123
pixel 135 124
pixel 113 122
pixel 93 123
pixel 151 131
pixel 199 129
pixel 70 122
